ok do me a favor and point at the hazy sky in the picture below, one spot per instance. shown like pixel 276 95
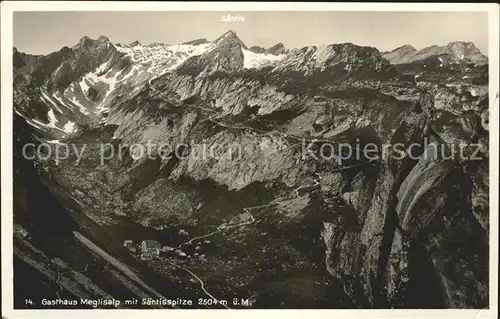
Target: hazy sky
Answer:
pixel 45 32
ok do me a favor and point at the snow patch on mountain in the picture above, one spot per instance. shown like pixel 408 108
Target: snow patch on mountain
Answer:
pixel 83 85
pixel 161 58
pixel 72 97
pixel 308 58
pixel 320 58
pixel 82 108
pixel 69 127
pixel 107 78
pixel 256 60
pixel 46 98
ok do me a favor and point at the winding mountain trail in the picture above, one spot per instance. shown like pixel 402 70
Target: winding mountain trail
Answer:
pixel 223 227
pixel 202 283
pixel 220 228
pixel 199 237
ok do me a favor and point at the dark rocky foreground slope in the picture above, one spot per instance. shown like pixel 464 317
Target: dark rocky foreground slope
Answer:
pixel 311 231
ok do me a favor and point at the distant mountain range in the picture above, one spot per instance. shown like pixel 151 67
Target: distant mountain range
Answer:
pixel 456 52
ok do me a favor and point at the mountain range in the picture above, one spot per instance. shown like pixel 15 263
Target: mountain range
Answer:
pixel 454 52
pixel 394 232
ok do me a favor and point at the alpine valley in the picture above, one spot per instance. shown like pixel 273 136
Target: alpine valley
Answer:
pixel 270 228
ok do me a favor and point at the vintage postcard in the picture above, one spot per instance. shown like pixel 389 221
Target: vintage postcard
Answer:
pixel 324 159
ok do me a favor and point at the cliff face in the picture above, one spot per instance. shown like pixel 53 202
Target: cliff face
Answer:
pixel 380 229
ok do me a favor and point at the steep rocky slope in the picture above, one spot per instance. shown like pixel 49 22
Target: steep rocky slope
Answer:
pixel 334 230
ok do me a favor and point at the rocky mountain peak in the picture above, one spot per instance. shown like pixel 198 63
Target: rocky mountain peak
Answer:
pixel 311 58
pixel 405 48
pixel 400 54
pixel 103 38
pixel 460 50
pixel 462 45
pixel 257 49
pixel 228 34
pixel 457 50
pixel 88 44
pixel 84 42
pixel 225 55
pixel 348 52
pixel 58 69
pixel 84 39
pixel 230 38
pixel 278 48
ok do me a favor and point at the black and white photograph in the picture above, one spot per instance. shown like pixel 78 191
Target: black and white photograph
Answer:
pixel 249 159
